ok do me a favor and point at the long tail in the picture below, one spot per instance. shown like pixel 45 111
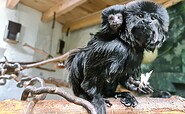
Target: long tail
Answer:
pixel 75 67
pixel 99 103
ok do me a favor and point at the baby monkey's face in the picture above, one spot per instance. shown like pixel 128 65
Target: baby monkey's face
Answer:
pixel 115 21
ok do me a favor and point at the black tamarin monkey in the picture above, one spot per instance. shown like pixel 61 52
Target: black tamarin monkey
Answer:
pixel 112 21
pixel 111 58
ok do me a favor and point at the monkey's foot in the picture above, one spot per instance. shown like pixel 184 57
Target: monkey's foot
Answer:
pixel 161 94
pixel 127 99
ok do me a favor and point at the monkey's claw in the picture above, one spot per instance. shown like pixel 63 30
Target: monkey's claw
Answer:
pixel 129 101
pixel 146 89
pixel 109 104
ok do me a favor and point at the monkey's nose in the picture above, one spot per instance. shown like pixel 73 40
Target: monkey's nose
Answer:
pixel 146 21
pixel 114 22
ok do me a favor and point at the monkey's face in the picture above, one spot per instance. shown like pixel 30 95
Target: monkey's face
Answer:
pixel 147 24
pixel 112 18
pixel 115 21
pixel 144 28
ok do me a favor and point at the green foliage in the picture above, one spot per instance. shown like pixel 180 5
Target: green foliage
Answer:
pixel 170 57
pixel 171 54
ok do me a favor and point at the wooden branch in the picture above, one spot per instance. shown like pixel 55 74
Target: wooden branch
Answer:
pixel 62 8
pixel 46 69
pixel 7 77
pixel 21 63
pixel 59 91
pixel 56 59
pixel 174 105
pixel 56 82
pixel 10 69
pixel 37 50
pixel 95 18
pixel 32 103
pixel 11 3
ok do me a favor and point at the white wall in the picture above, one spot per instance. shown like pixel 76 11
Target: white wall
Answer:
pixel 33 32
pixel 36 34
pixel 79 38
pixel 28 31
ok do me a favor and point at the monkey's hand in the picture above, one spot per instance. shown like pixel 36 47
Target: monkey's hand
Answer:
pixel 144 84
pixel 138 86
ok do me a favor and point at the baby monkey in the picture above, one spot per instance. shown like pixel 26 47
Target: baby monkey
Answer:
pixel 115 21
pixel 112 24
pixel 112 19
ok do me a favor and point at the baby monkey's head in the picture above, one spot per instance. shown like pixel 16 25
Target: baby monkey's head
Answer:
pixel 112 18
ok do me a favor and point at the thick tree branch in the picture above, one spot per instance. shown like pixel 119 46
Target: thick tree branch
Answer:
pixel 59 91
pixel 173 105
pixel 25 94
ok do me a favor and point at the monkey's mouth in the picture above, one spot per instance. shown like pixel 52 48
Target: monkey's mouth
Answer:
pixel 143 35
pixel 115 26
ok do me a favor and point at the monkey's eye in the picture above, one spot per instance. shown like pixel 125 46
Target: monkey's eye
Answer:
pixel 153 17
pixel 119 16
pixel 111 17
pixel 140 15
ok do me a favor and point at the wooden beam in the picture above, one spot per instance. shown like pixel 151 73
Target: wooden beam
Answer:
pixel 174 105
pixel 171 3
pixel 11 3
pixel 95 18
pixel 86 21
pixel 62 8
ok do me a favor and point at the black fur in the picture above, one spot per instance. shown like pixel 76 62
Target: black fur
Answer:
pixel 111 59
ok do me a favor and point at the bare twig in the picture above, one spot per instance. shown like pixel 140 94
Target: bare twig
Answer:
pixel 57 82
pixel 11 65
pixel 37 64
pixel 9 68
pixel 9 77
pixel 59 91
pixel 56 59
pixel 38 50
pixel 46 69
pixel 25 94
pixel 9 71
pixel 21 63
